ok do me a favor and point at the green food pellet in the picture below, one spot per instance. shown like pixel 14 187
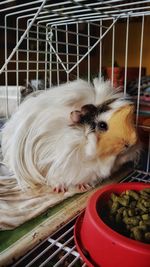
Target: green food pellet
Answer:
pixel 131 220
pixel 123 201
pixel 113 197
pixel 114 207
pixel 146 203
pixel 125 213
pixel 141 206
pixel 121 210
pixel 132 194
pixel 129 214
pixel 146 190
pixel 145 217
pixel 137 233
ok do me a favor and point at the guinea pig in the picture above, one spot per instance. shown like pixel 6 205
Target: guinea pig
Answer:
pixel 71 135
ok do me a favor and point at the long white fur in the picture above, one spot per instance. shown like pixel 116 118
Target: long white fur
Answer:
pixel 40 146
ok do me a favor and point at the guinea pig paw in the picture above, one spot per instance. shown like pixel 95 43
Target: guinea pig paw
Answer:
pixel 84 187
pixel 60 189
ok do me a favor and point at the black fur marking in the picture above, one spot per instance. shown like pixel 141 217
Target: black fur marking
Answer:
pixel 88 113
pixel 105 106
pixel 89 109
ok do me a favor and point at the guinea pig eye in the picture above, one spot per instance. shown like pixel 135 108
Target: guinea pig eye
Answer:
pixel 102 126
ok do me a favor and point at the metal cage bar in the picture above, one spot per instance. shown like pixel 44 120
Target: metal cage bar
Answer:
pixel 48 45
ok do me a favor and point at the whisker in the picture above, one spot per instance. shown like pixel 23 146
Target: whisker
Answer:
pixel 91 131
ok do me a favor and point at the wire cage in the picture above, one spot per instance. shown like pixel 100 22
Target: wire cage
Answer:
pixel 44 43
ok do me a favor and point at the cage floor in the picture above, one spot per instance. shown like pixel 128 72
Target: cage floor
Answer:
pixel 59 249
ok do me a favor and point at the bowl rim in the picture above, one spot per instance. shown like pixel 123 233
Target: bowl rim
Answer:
pixel 108 231
pixel 78 241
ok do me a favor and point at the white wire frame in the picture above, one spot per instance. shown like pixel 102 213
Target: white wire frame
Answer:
pixel 82 7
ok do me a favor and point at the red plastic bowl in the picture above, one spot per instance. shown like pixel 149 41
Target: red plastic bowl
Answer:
pixel 98 244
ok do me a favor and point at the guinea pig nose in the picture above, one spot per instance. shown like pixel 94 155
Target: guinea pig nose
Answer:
pixel 126 145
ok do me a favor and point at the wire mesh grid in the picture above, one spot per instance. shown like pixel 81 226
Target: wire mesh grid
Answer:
pixel 35 29
pixel 59 249
pixel 49 42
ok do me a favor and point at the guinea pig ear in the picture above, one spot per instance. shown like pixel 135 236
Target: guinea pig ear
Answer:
pixel 85 115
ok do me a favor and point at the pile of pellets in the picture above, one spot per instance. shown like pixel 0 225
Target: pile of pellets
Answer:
pixel 129 214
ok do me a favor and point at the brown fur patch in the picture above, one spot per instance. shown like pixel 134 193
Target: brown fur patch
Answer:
pixel 121 133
